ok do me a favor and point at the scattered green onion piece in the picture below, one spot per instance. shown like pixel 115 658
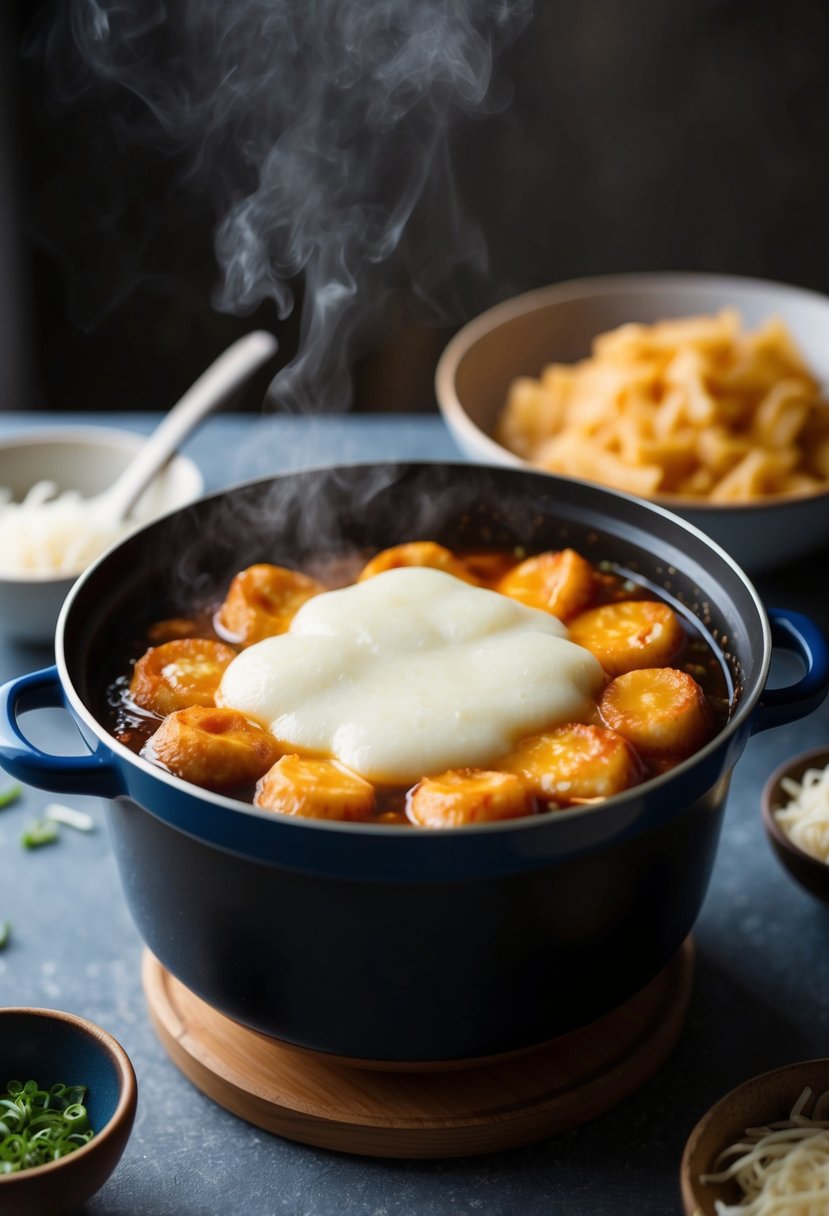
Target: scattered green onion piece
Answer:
pixel 39 832
pixel 10 794
pixel 5 933
pixel 56 812
pixel 39 1125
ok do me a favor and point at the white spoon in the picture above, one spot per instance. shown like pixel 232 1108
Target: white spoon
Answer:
pixel 226 373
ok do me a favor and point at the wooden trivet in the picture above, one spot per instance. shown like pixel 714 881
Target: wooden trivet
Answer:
pixel 310 1098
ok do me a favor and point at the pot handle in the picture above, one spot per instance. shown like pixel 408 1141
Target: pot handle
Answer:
pixel 92 774
pixel 797 633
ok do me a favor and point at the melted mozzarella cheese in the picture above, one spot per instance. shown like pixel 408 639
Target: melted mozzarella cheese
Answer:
pixel 412 672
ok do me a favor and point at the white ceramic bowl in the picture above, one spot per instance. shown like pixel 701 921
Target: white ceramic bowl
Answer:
pixel 558 324
pixel 86 459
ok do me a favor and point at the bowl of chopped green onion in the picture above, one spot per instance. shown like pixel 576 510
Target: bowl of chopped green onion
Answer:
pixel 67 1104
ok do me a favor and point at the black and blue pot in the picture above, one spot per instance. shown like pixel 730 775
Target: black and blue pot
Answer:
pixel 378 942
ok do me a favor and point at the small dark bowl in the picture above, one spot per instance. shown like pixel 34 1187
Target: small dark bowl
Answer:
pixel 764 1099
pixel 810 872
pixel 49 1046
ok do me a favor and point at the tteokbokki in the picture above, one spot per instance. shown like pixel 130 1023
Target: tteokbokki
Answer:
pixel 498 685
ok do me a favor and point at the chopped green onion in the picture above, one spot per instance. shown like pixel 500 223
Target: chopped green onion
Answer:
pixel 59 813
pixel 10 794
pixel 39 1125
pixel 39 832
pixel 5 933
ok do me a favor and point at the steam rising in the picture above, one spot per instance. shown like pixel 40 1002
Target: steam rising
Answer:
pixel 322 129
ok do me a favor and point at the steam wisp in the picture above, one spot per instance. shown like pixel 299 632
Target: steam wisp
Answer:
pixel 322 130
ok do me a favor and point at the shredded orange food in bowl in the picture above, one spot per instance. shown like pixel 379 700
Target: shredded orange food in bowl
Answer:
pixel 695 407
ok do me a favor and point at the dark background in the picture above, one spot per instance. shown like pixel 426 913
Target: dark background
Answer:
pixel 686 135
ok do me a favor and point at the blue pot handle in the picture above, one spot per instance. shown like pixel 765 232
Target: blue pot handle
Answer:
pixel 93 774
pixel 797 633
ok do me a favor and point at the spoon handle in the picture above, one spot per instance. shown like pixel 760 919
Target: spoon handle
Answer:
pixel 223 375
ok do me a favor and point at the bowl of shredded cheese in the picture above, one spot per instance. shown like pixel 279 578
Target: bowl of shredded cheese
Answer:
pixel 707 394
pixel 795 805
pixel 49 531
pixel 763 1149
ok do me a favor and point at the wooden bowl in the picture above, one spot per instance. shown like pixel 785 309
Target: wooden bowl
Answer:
pixel 810 872
pixel 763 1099
pixel 48 1046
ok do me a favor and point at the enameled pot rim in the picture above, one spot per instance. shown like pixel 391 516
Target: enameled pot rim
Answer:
pixel 625 806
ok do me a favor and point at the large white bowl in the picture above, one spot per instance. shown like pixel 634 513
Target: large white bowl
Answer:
pixel 86 459
pixel 558 324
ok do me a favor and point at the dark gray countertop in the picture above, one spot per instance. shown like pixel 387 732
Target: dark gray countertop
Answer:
pixel 760 997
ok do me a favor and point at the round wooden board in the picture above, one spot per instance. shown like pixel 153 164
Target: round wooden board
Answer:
pixel 485 1108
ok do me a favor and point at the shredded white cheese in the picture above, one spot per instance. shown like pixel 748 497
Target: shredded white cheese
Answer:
pixel 782 1169
pixel 51 534
pixel 805 818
